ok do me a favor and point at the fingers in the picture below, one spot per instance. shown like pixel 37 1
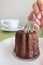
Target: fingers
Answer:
pixel 37 24
pixel 35 9
pixel 34 12
pixel 36 27
pixel 40 4
pixel 30 17
pixel 42 12
pixel 39 16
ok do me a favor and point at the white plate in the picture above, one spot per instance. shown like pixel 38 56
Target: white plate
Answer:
pixel 7 57
pixel 9 29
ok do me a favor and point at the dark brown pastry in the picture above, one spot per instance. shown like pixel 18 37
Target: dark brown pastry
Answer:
pixel 26 44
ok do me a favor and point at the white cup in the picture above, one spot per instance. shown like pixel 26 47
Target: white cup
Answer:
pixel 10 23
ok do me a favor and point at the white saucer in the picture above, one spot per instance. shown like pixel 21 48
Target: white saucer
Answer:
pixel 12 29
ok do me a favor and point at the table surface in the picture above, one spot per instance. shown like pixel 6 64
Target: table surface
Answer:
pixel 4 35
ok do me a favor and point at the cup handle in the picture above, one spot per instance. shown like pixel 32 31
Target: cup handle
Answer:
pixel 3 23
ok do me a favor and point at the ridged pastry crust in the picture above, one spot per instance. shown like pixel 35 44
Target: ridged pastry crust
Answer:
pixel 26 44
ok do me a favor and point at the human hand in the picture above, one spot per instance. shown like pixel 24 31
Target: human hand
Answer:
pixel 37 7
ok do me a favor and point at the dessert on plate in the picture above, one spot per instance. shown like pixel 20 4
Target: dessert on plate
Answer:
pixel 26 44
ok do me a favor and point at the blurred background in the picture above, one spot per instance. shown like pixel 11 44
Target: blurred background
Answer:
pixel 16 9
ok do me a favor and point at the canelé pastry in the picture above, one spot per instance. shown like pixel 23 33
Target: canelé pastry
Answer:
pixel 26 44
